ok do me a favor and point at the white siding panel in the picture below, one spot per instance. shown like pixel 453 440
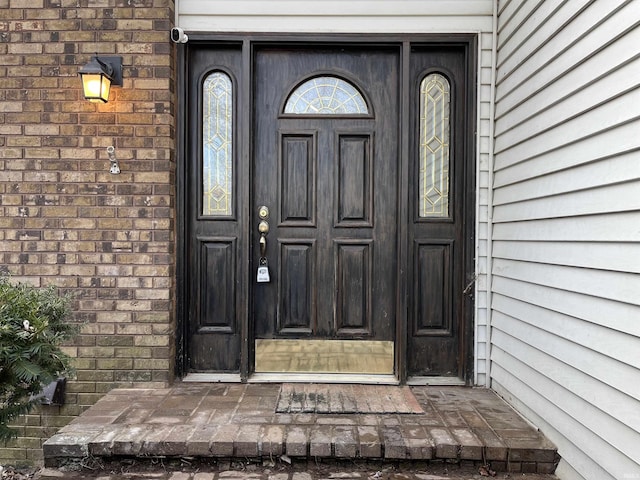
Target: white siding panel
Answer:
pixel 619 317
pixel 624 138
pixel 483 186
pixel 606 374
pixel 611 114
pixel 618 286
pixel 370 16
pixel 598 461
pixel 587 33
pixel 565 244
pixel 556 424
pixel 548 18
pixel 513 15
pixel 615 227
pixel 332 24
pixel 593 336
pixel 512 130
pixel 608 256
pixel 615 198
pixel 543 18
pixel 324 7
pixel 609 171
pixel 566 471
pixel 615 436
pixel 600 67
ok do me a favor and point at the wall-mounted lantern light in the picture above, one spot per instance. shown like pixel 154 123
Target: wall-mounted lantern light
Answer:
pixel 98 75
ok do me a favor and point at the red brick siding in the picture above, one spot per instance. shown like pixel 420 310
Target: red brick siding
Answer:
pixel 64 219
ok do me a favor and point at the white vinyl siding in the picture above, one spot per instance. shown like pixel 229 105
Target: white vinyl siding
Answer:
pixel 335 16
pixel 565 243
pixel 375 17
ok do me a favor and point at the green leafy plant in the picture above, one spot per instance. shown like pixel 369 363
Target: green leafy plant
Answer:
pixel 33 326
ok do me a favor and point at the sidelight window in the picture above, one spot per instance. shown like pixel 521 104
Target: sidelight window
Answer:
pixel 217 145
pixel 326 95
pixel 434 146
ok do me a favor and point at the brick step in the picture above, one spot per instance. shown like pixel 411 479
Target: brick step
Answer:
pixel 458 425
pixel 300 442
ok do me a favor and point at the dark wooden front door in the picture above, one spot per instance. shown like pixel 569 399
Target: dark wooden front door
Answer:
pixel 368 190
pixel 329 179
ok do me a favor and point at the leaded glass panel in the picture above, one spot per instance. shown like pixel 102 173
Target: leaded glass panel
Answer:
pixel 326 95
pixel 217 145
pixel 434 146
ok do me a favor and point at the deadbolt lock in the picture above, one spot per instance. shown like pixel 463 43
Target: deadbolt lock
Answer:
pixel 263 212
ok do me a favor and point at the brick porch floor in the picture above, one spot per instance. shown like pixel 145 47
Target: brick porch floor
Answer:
pixel 459 424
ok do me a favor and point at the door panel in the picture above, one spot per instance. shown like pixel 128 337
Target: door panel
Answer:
pixel 214 295
pixel 353 289
pixel 297 282
pixel 218 311
pixel 432 289
pixel 354 181
pixel 437 212
pixel 332 182
pixel 298 177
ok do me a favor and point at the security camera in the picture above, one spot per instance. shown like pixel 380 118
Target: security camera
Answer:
pixel 178 35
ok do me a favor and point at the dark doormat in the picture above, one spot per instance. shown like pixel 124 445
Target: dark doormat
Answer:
pixel 303 398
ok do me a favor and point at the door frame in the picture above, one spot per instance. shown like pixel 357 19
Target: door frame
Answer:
pixel 243 174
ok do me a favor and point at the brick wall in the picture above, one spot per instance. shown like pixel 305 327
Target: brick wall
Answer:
pixel 64 219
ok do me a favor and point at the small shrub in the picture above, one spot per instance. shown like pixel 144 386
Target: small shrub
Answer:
pixel 33 325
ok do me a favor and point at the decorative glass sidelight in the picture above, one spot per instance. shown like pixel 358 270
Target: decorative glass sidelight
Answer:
pixel 326 95
pixel 217 145
pixel 434 146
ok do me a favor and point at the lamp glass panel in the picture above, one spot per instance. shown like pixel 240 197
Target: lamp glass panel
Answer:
pixel 217 145
pixel 96 87
pixel 433 195
pixel 105 88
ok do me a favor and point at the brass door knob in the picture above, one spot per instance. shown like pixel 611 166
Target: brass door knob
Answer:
pixel 263 212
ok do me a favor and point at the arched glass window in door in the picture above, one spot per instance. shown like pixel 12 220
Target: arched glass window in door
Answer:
pixel 434 146
pixel 326 95
pixel 217 145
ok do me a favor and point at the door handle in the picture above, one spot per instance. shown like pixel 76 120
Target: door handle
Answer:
pixel 263 228
pixel 263 245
